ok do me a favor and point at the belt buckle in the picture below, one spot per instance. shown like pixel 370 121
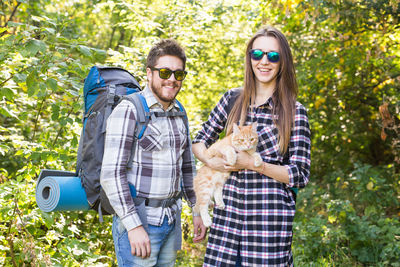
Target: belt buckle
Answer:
pixel 165 203
pixel 168 203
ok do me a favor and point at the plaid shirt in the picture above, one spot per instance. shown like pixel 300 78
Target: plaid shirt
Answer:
pixel 258 217
pixel 162 164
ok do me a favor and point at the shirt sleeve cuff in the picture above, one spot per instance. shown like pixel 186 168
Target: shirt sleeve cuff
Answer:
pixel 131 221
pixel 291 176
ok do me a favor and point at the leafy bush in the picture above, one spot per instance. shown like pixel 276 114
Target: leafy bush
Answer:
pixel 348 64
pixel 355 225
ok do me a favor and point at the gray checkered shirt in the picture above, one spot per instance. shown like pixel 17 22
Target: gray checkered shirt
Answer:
pixel 163 162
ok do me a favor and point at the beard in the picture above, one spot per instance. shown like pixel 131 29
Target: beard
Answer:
pixel 162 95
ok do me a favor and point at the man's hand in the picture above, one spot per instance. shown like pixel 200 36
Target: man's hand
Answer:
pixel 140 242
pixel 199 229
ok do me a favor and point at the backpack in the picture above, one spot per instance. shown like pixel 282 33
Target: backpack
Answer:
pixel 104 89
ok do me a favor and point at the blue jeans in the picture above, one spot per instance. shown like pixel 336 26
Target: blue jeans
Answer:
pixel 162 240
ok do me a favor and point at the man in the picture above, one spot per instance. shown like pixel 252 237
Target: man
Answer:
pixel 147 232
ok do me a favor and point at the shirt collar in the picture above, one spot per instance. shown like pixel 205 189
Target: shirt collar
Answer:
pixel 152 101
pixel 269 103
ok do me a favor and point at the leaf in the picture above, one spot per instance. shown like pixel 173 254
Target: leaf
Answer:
pixel 37 18
pixel 7 92
pixel 370 185
pixel 19 77
pixel 34 46
pixel 4 111
pixel 48 219
pixel 14 24
pixel 370 210
pixel 31 83
pixel 56 112
pixel 100 54
pixel 85 50
pixel 52 83
pixel 50 30
pixel 332 219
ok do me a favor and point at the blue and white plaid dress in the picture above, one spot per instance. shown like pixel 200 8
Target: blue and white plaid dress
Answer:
pixel 258 217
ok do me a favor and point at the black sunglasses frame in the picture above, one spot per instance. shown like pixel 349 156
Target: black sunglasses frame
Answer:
pixel 270 59
pixel 170 73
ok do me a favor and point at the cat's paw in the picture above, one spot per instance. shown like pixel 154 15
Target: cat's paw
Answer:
pixel 219 202
pixel 257 160
pixel 220 206
pixel 206 221
pixel 231 158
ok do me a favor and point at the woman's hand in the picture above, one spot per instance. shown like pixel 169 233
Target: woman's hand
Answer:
pixel 217 164
pixel 243 161
pixel 246 161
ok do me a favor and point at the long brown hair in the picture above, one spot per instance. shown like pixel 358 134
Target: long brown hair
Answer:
pixel 284 96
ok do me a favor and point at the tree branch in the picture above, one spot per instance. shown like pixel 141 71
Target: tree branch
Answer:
pixel 61 129
pixel 9 237
pixel 12 15
pixel 37 118
pixel 9 19
pixel 9 78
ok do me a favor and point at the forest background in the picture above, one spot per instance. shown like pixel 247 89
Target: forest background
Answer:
pixel 347 56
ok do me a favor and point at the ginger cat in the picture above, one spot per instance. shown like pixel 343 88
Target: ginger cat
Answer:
pixel 209 183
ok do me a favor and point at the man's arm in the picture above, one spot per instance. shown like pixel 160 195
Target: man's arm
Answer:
pixel 114 180
pixel 188 172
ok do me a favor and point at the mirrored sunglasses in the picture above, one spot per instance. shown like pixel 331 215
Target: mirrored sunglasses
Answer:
pixel 257 54
pixel 165 73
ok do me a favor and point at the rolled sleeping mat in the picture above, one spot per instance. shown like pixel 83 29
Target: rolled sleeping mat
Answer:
pixel 60 191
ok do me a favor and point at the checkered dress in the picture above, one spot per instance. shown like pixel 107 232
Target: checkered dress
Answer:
pixel 258 218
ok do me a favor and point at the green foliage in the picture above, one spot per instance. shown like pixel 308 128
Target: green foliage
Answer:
pixel 347 57
pixel 350 229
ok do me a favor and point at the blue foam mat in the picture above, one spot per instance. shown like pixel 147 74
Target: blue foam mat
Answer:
pixel 60 193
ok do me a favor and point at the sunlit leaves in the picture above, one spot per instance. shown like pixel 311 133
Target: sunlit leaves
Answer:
pixel 32 47
pixel 347 58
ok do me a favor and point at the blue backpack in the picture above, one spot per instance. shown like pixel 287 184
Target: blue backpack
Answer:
pixel 104 89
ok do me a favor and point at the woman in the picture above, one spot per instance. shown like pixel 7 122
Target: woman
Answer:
pixel 255 228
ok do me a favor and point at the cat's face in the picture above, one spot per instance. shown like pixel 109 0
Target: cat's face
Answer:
pixel 245 137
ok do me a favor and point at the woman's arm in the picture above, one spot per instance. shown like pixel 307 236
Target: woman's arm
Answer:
pixel 245 161
pixel 200 151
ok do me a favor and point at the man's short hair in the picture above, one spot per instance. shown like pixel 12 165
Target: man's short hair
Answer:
pixel 166 47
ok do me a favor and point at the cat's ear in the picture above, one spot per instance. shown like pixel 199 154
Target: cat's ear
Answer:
pixel 236 129
pixel 254 127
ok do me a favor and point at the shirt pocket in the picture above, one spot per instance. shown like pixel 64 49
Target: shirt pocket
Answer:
pixel 181 139
pixel 268 141
pixel 151 140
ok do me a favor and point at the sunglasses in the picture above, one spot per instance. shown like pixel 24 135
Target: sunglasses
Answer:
pixel 165 73
pixel 257 54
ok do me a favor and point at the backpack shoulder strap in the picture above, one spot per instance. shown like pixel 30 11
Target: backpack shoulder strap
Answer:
pixel 144 115
pixel 185 117
pixel 142 119
pixel 110 101
pixel 142 112
pixel 235 93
